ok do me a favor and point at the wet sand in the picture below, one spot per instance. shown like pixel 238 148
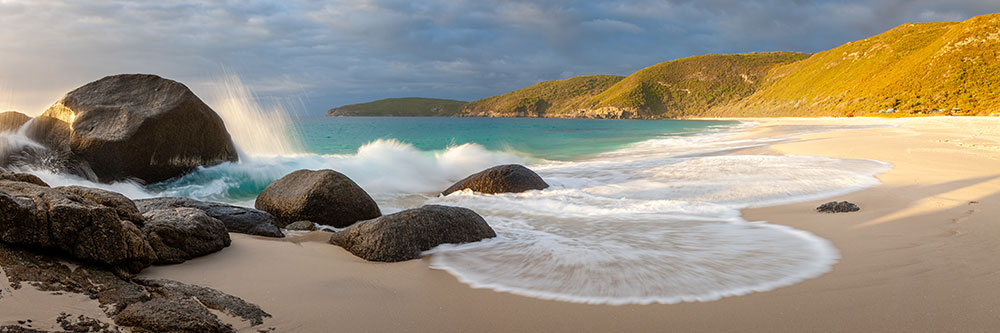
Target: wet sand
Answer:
pixel 920 256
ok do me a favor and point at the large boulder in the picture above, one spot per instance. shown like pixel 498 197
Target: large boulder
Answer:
pixel 405 235
pixel 39 216
pixel 138 126
pixel 323 196
pixel 179 234
pixel 236 219
pixel 12 120
pixel 509 178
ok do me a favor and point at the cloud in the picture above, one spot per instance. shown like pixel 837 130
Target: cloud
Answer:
pixel 346 51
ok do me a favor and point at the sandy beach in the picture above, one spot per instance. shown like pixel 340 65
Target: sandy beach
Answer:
pixel 920 256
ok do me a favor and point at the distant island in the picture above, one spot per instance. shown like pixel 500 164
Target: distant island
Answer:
pixel 946 68
pixel 401 107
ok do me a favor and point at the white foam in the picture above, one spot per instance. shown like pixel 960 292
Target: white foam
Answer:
pixel 653 224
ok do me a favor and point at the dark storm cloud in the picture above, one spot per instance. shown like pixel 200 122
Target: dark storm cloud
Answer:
pixel 338 52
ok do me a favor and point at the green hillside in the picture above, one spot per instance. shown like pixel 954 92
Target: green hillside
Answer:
pixel 687 87
pixel 913 68
pixel 401 107
pixel 545 99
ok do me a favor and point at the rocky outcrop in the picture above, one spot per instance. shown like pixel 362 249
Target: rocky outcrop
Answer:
pixel 323 196
pixel 74 224
pixel 179 234
pixel 405 235
pixel 510 178
pixel 12 120
pixel 22 177
pixel 837 207
pixel 236 219
pixel 301 226
pixel 136 127
pixel 122 205
pixel 140 305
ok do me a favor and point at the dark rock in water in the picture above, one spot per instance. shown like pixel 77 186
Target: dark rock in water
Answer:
pixel 509 178
pixel 38 216
pixel 237 219
pixel 50 132
pixel 837 207
pixel 141 126
pixel 22 177
pixel 179 234
pixel 122 205
pixel 12 120
pixel 301 226
pixel 141 305
pixel 405 235
pixel 324 196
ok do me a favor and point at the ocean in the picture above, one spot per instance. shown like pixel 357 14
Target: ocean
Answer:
pixel 638 212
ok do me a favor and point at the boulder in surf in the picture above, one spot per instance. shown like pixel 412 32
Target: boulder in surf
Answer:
pixel 138 126
pixel 509 178
pixel 405 235
pixel 326 197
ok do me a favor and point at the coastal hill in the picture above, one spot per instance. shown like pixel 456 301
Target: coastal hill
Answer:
pixel 409 106
pixel 949 68
pixel 545 99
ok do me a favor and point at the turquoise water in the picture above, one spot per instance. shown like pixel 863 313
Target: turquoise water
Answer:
pixel 554 139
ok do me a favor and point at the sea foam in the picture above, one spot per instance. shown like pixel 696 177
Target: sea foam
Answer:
pixel 657 222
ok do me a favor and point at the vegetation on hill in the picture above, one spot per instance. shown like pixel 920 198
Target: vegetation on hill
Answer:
pixel 688 86
pixel 948 68
pixel 922 68
pixel 409 106
pixel 545 99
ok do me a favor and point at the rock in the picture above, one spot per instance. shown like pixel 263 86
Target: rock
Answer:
pixel 301 226
pixel 510 178
pixel 22 177
pixel 179 234
pixel 405 235
pixel 171 315
pixel 12 120
pixel 837 207
pixel 122 205
pixel 237 219
pixel 140 126
pixel 83 228
pixel 324 196
pixel 142 305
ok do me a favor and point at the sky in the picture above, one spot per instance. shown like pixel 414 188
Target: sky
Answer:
pixel 315 55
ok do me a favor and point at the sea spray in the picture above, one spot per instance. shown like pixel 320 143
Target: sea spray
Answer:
pixel 255 129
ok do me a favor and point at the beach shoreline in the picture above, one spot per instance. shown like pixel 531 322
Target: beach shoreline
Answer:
pixel 917 257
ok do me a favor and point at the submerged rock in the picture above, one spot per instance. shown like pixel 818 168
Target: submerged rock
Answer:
pixel 77 225
pixel 405 235
pixel 137 126
pixel 509 178
pixel 323 196
pixel 179 234
pixel 141 305
pixel 236 219
pixel 12 120
pixel 301 226
pixel 837 207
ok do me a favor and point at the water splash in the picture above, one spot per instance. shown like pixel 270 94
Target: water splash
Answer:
pixel 256 130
